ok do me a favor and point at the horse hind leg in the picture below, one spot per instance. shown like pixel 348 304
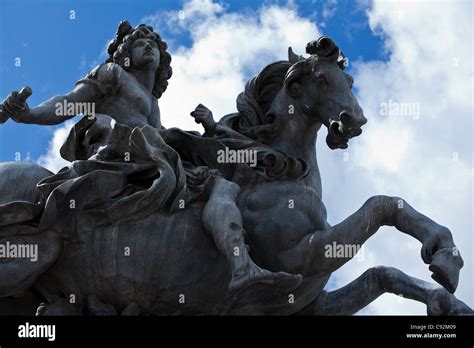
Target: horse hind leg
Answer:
pixel 379 280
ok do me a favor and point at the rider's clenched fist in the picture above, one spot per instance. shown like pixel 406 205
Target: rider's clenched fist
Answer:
pixel 15 106
pixel 204 116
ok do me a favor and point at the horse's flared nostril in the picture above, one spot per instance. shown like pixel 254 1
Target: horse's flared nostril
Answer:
pixel 346 118
pixel 356 119
pixel 350 125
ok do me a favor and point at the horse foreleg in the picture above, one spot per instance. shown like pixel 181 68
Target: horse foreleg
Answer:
pixel 438 248
pixel 379 280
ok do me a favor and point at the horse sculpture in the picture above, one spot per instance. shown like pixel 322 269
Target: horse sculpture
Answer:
pixel 131 259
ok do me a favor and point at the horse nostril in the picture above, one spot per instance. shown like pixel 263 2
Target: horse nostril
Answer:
pixel 350 125
pixel 346 118
pixel 352 120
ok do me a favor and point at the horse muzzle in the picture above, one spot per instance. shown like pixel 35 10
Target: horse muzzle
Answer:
pixel 348 126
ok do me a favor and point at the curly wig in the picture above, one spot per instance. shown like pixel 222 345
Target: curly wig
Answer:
pixel 119 50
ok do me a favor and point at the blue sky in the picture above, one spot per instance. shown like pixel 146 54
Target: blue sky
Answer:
pixel 56 51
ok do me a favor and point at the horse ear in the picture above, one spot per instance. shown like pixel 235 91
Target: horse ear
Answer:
pixel 293 57
pixel 292 84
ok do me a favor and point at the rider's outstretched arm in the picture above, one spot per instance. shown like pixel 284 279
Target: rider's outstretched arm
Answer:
pixel 51 112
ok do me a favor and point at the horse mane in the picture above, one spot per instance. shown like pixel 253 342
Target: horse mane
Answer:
pixel 254 103
pixel 254 125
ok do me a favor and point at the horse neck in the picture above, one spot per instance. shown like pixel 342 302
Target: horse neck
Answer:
pixel 297 137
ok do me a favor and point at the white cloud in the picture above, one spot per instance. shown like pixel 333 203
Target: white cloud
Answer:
pixel 386 148
pixel 52 160
pixel 329 9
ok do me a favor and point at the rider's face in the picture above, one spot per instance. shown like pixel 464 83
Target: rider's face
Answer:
pixel 145 54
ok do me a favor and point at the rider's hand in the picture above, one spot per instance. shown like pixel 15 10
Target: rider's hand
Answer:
pixel 15 106
pixel 203 116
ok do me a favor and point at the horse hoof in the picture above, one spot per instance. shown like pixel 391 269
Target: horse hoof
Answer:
pixel 442 302
pixel 445 266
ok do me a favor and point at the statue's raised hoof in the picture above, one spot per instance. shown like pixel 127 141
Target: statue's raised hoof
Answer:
pixel 442 302
pixel 445 266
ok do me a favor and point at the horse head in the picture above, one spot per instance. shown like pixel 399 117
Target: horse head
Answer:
pixel 322 91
